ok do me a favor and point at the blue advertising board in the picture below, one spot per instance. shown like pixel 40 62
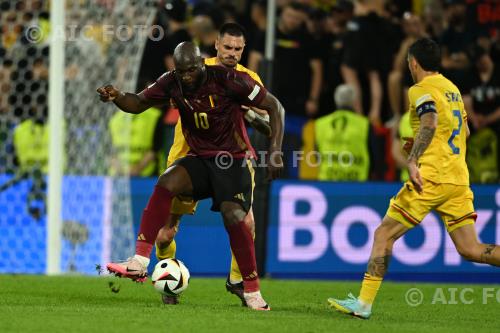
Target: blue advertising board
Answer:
pixel 323 229
pixel 316 229
pixel 23 243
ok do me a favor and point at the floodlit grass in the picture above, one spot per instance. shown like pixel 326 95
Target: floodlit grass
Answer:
pixel 87 304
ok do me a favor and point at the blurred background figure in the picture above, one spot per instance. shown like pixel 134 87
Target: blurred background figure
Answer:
pixel 482 100
pixel 342 138
pixel 136 143
pixel 399 78
pixel 297 78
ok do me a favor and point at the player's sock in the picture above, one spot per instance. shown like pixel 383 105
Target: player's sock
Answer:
pixel 241 241
pixel 153 219
pixel 167 251
pixel 234 273
pixel 369 289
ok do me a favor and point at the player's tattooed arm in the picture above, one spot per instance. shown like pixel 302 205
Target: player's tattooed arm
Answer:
pixel 127 102
pixel 428 125
pixel 378 266
pixel 276 119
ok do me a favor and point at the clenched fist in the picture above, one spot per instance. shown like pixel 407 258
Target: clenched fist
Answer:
pixel 108 93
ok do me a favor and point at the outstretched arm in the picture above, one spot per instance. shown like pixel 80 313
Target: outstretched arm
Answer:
pixel 127 102
pixel 428 124
pixel 276 119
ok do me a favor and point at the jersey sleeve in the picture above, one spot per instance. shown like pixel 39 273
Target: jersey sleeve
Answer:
pixel 247 90
pixel 159 91
pixel 255 76
pixel 421 100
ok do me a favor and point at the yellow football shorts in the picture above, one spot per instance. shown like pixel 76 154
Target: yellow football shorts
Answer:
pixel 183 205
pixel 454 203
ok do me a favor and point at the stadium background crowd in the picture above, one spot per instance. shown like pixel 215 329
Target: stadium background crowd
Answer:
pixel 353 50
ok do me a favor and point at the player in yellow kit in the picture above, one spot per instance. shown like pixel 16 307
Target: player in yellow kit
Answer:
pixel 229 44
pixel 439 179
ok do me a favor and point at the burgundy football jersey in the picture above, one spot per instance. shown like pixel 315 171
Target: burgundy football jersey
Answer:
pixel 212 118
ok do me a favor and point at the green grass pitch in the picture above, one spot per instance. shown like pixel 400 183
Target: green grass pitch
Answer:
pixel 87 304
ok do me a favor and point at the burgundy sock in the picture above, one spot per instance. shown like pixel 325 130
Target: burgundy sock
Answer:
pixel 241 241
pixel 153 219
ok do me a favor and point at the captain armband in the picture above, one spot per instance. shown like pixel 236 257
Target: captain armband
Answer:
pixel 426 107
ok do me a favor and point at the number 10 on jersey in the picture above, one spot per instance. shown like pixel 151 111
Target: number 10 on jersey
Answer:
pixel 201 120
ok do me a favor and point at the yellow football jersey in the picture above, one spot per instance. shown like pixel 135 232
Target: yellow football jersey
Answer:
pixel 180 147
pixel 444 159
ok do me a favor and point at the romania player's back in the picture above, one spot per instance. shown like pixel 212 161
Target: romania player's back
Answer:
pixel 444 159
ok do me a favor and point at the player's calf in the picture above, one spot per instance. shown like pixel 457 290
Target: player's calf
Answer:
pixel 481 253
pixel 468 246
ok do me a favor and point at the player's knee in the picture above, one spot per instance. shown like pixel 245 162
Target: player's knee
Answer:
pixel 232 213
pixel 250 222
pixel 229 217
pixel 165 181
pixel 381 234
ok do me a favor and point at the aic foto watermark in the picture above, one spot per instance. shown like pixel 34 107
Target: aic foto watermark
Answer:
pixel 342 159
pixel 452 296
pixel 89 32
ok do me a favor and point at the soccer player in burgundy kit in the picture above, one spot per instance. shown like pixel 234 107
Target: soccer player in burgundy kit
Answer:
pixel 209 100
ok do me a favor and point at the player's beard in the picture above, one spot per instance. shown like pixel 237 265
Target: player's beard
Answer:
pixel 230 62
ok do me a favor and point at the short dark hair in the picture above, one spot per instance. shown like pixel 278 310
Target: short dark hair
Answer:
pixel 232 29
pixel 427 53
pixel 297 6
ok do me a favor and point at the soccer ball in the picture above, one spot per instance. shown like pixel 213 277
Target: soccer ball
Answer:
pixel 170 277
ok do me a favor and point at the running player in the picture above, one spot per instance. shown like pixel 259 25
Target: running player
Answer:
pixel 229 45
pixel 439 178
pixel 209 99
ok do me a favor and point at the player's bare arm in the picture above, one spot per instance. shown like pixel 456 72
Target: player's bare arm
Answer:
pixel 276 119
pixel 428 124
pixel 127 102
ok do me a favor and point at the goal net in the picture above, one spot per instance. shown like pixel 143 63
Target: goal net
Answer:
pixel 103 42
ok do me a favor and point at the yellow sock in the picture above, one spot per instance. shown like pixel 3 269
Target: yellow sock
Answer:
pixel 234 274
pixel 166 253
pixel 369 288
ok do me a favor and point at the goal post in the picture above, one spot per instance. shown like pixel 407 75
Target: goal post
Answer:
pixel 56 142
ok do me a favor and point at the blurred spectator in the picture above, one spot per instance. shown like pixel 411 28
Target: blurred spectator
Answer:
pixel 368 54
pixel 31 144
pixel 31 141
pixel 434 19
pixel 484 87
pixel 136 141
pixel 342 138
pixel 341 13
pixel 204 35
pixel 210 9
pixel 257 26
pixel 230 13
pixel 456 41
pixel 400 79
pixel 157 56
pixel 483 106
pixel 400 133
pixel 297 76
pixel 258 14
